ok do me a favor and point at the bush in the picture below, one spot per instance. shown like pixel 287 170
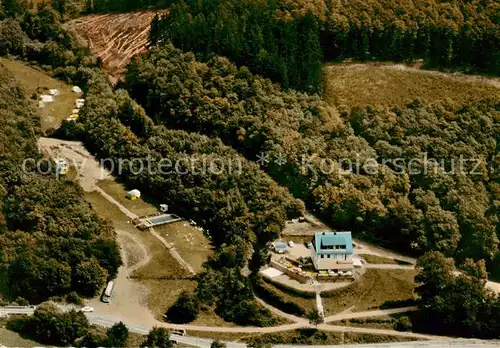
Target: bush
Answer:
pixel 21 301
pixel 403 324
pixel 73 297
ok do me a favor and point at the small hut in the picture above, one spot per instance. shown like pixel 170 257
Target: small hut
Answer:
pixel 133 194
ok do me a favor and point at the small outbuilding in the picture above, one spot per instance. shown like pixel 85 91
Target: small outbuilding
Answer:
pixel 54 91
pixel 75 111
pixel 133 194
pixel 76 89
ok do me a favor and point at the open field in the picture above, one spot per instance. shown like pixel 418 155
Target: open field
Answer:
pixel 306 303
pixel 115 37
pixel 118 192
pixel 359 85
pixel 32 79
pixel 162 264
pixel 188 241
pixel 13 339
pixel 374 289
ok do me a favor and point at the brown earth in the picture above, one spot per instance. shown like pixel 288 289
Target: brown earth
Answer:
pixel 115 37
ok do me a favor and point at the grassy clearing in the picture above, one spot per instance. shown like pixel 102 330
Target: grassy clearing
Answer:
pixel 164 293
pixel 378 259
pixel 13 339
pixel 315 337
pixel 375 259
pixel 32 79
pixel 377 288
pixel 118 192
pixel 307 304
pixel 190 242
pixel 162 264
pixel 384 322
pixel 366 84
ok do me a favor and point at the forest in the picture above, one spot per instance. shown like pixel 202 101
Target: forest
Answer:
pixel 50 247
pixel 435 209
pixel 187 106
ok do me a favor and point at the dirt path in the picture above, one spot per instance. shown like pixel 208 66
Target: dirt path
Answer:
pixel 146 255
pixel 366 248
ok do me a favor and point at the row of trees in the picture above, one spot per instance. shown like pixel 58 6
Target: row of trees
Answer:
pixel 50 246
pixel 392 174
pixel 50 325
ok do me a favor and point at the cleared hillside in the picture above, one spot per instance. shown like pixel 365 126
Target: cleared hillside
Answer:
pixel 115 37
pixel 360 85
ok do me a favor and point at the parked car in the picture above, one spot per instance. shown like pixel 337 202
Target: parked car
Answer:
pixel 87 309
pixel 291 244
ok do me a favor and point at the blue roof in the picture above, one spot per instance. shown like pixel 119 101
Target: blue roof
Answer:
pixel 333 239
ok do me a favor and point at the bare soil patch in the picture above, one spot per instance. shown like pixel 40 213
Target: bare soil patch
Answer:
pixel 115 37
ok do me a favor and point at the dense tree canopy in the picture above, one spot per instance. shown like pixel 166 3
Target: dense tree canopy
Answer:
pixel 49 246
pixel 392 174
pixel 457 304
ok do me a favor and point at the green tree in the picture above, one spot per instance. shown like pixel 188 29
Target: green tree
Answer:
pixel 89 277
pixel 315 318
pixel 158 337
pixel 117 335
pixel 184 310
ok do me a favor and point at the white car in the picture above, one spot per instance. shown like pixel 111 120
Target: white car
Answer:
pixel 87 309
pixel 291 244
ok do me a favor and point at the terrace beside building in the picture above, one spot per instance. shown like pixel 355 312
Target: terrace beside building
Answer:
pixel 332 251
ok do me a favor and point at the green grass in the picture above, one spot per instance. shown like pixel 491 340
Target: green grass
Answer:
pixel 375 289
pixel 315 337
pixel 31 80
pixel 307 304
pixel 13 339
pixel 367 84
pixel 378 259
pixel 118 192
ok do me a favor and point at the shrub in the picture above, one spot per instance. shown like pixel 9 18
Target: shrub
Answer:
pixel 403 324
